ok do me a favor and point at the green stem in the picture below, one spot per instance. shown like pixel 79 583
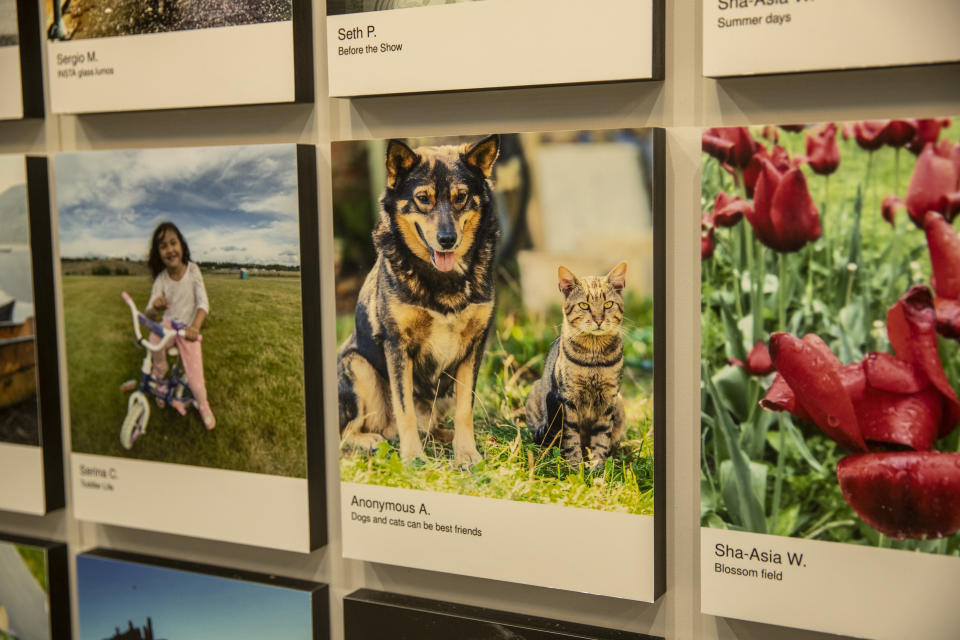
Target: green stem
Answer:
pixel 756 288
pixel 872 195
pixel 782 293
pixel 896 171
pixel 781 462
pixel 809 292
pixel 754 254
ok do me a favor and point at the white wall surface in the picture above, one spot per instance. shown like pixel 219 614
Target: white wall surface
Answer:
pixel 685 102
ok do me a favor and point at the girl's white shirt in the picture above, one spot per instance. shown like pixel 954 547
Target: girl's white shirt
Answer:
pixel 184 296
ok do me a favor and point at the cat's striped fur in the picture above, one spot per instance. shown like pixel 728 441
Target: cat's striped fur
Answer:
pixel 576 404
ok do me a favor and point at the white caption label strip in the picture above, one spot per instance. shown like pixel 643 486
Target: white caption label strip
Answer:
pixel 233 506
pixel 21 478
pixel 494 43
pixel 250 64
pixel 748 37
pixel 538 544
pixel 829 586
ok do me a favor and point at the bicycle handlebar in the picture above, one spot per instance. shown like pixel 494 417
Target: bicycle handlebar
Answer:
pixel 166 335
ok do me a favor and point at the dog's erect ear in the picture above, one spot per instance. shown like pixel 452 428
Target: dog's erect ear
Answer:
pixel 618 276
pixel 483 154
pixel 566 280
pixel 400 159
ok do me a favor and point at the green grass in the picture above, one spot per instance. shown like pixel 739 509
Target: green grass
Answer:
pixel 36 561
pixel 796 493
pixel 513 467
pixel 253 365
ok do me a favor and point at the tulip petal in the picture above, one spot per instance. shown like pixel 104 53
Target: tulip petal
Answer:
pixel 780 397
pixel 944 244
pixel 933 178
pixel 868 134
pixel 948 317
pixel 889 373
pixel 909 419
pixel 728 210
pixel 904 495
pixel 823 154
pixel 716 146
pixel 815 380
pixel 794 216
pixel 759 217
pixel 892 204
pixel 899 132
pixel 759 362
pixel 912 329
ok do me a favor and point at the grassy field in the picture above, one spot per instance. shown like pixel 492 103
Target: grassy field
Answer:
pixel 253 363
pixel 36 561
pixel 513 467
pixel 838 287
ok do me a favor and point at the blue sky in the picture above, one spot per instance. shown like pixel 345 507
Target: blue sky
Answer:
pixel 184 605
pixel 232 204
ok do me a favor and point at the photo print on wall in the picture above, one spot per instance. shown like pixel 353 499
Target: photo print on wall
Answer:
pixel 21 73
pixel 380 46
pixel 201 53
pixel 369 614
pixel 124 596
pixel 190 278
pixel 499 360
pixel 34 591
pixel 830 371
pixel 31 447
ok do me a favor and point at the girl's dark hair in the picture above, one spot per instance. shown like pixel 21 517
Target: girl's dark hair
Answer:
pixel 155 262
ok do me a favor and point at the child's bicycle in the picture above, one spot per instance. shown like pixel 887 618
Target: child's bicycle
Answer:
pixel 172 390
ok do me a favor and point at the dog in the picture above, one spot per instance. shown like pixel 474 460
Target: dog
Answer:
pixel 425 309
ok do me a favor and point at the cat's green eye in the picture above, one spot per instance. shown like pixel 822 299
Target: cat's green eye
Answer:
pixel 608 304
pixel 584 305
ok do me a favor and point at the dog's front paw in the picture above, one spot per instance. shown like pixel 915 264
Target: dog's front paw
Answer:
pixel 410 451
pixel 364 441
pixel 466 454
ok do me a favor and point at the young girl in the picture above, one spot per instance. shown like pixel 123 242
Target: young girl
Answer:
pixel 178 294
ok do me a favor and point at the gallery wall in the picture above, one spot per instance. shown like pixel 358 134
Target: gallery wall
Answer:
pixel 684 102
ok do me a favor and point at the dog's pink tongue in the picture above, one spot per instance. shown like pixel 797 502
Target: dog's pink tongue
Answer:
pixel 445 260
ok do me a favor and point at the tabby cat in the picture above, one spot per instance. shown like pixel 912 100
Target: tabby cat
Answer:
pixel 578 396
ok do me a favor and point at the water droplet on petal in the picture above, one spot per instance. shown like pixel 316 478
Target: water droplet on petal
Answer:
pixel 833 421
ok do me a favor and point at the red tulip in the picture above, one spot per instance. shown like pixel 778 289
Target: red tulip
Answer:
pixel 903 399
pixel 823 154
pixel 758 361
pixel 730 145
pixel 846 130
pixel 892 204
pixel 935 185
pixel 904 494
pixel 728 210
pixel 946 149
pixel 783 216
pixel 948 317
pixel 707 245
pixel 869 134
pixel 912 330
pixel 815 381
pixel 928 130
pixel 770 133
pixel 944 245
pixel 897 133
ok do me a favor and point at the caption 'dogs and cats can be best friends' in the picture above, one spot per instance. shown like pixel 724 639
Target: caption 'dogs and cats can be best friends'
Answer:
pixel 405 522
